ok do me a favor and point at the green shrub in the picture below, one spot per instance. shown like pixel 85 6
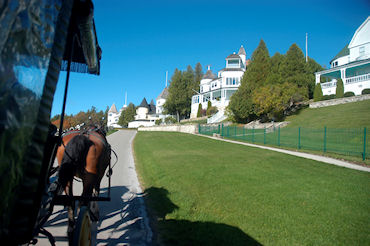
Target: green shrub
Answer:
pixel 317 94
pixel 212 110
pixel 328 97
pixel 170 120
pixel 158 122
pixel 339 92
pixel 365 91
pixel 349 94
pixel 199 114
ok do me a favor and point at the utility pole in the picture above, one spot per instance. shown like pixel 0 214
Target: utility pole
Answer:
pixel 166 78
pixel 306 48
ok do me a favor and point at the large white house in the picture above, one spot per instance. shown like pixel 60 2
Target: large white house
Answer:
pixel 145 115
pixel 113 116
pixel 351 64
pixel 218 89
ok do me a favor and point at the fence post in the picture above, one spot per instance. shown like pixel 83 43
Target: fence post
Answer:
pixel 218 129
pixel 253 134
pixel 264 135
pixel 227 132
pixel 243 132
pixel 324 139
pixel 364 153
pixel 235 131
pixel 199 128
pixel 222 130
pixel 279 136
pixel 299 137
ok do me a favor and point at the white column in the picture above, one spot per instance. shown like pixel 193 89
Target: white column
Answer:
pixel 343 75
pixel 317 78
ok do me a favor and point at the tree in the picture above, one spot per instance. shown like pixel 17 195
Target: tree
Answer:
pixel 200 109
pixel 198 73
pixel 317 95
pixel 274 76
pixel 127 115
pixel 177 96
pixel 241 103
pixel 311 68
pixel 339 92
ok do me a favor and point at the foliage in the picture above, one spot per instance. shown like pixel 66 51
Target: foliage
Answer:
pixel 200 108
pixel 181 89
pixel 273 100
pixel 91 117
pixel 329 97
pixel 127 115
pixel 349 94
pixel 158 122
pixel 211 110
pixel 317 95
pixel 339 92
pixel 365 91
pixel 311 67
pixel 170 120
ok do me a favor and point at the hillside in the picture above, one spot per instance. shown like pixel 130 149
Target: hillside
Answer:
pixel 350 115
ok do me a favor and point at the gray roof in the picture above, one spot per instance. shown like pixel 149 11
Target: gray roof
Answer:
pixel 164 94
pixel 343 52
pixel 144 104
pixel 113 108
pixel 233 56
pixel 242 51
pixel 209 75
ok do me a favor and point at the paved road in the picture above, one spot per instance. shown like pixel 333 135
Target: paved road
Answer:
pixel 123 221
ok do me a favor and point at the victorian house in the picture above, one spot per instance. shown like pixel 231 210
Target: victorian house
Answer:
pixel 351 64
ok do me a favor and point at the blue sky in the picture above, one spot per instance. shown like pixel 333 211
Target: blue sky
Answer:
pixel 143 39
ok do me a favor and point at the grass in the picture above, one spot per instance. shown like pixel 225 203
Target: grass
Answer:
pixel 350 115
pixel 207 192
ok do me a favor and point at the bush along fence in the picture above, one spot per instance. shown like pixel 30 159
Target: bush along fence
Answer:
pixel 354 142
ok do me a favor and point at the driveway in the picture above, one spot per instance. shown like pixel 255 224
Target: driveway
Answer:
pixel 123 220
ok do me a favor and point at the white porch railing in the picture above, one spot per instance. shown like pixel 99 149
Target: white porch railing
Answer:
pixel 328 84
pixel 357 79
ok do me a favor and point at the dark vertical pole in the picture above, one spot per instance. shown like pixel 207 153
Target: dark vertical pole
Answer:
pixel 243 132
pixel 253 134
pixel 324 139
pixel 299 137
pixel 222 130
pixel 364 153
pixel 264 135
pixel 279 136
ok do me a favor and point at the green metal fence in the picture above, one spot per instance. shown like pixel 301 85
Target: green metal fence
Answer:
pixel 353 142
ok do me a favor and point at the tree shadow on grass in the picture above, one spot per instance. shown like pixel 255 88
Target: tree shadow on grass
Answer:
pixel 183 232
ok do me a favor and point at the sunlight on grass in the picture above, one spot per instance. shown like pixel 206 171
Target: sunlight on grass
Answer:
pixel 209 192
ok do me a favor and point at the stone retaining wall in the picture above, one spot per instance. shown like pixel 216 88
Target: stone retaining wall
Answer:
pixel 191 128
pixel 332 102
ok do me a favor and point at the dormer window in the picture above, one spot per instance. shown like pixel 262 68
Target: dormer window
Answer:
pixel 233 63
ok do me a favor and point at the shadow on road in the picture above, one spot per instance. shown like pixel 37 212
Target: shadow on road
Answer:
pixel 183 232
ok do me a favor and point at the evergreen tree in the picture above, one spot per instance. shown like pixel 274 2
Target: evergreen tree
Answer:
pixel 200 109
pixel 293 69
pixel 127 115
pixel 274 77
pixel 178 100
pixel 241 103
pixel 339 92
pixel 317 96
pixel 198 73
pixel 311 68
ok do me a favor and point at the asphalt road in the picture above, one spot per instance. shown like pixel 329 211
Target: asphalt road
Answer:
pixel 123 220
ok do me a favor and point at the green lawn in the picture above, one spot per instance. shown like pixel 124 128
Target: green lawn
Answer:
pixel 350 115
pixel 207 192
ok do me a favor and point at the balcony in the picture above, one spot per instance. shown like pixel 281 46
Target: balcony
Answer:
pixel 359 78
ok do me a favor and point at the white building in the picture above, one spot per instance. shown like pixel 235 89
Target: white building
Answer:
pixel 145 115
pixel 113 116
pixel 161 99
pixel 351 64
pixel 218 89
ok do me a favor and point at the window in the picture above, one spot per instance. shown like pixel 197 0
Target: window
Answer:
pixel 362 50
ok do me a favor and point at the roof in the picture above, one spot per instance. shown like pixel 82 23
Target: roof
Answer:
pixel 113 108
pixel 343 52
pixel 352 43
pixel 233 56
pixel 209 75
pixel 232 69
pixel 144 104
pixel 164 94
pixel 242 51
